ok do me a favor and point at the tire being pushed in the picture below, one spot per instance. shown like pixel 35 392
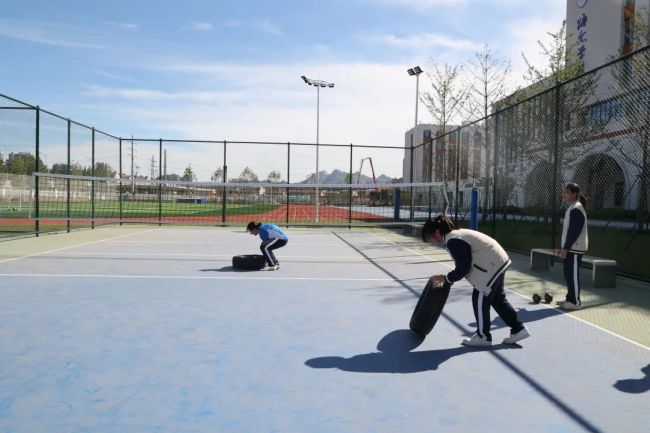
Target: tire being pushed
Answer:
pixel 250 262
pixel 429 307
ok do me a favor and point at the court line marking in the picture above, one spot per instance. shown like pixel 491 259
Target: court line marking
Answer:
pixel 191 277
pixel 636 343
pixel 120 254
pixel 72 246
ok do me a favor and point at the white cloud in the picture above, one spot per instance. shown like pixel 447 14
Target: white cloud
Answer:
pixel 43 33
pixel 200 26
pixel 426 40
pixel 423 4
pixel 263 26
pixel 371 104
pixel 113 76
pixel 123 25
pixel 525 35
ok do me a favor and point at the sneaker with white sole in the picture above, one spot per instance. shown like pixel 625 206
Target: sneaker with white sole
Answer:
pixel 477 340
pixel 571 306
pixel 524 333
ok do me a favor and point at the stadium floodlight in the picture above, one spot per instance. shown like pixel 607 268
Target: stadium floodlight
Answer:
pixel 318 84
pixel 416 71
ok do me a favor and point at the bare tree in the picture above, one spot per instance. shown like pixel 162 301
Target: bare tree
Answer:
pixel 445 102
pixel 248 175
pixel 489 82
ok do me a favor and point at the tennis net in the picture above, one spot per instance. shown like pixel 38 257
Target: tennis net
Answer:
pixel 109 200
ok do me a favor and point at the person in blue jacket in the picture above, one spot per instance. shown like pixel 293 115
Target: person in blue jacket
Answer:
pixel 575 241
pixel 272 238
pixel 483 262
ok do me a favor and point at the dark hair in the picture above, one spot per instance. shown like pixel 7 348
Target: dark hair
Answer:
pixel 441 222
pixel 574 188
pixel 252 225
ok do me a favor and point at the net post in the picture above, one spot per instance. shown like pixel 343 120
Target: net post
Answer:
pixel 350 189
pixel 160 183
pixel 69 171
pixel 92 184
pixel 288 179
pixel 37 225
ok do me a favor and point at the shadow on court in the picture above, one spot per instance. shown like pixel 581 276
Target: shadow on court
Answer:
pixel 395 356
pixel 525 316
pixel 229 269
pixel 635 386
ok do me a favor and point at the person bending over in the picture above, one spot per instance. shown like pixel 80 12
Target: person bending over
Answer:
pixel 272 238
pixel 481 260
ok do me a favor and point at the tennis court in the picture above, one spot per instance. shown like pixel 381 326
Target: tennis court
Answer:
pixel 140 329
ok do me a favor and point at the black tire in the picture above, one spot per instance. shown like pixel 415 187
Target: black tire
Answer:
pixel 251 262
pixel 429 307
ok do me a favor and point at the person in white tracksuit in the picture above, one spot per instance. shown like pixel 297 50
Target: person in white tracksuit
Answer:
pixel 575 241
pixel 481 260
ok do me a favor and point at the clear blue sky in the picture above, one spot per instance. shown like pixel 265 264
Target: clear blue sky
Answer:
pixel 230 69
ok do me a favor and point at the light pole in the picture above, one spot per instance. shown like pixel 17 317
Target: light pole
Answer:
pixel 318 84
pixel 415 71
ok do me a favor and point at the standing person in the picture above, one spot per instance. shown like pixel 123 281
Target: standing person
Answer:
pixel 483 262
pixel 575 242
pixel 272 238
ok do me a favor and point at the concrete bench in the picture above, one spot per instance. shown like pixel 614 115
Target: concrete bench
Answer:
pixel 603 271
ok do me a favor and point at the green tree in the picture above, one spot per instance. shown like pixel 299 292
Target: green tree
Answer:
pixel 248 175
pixel 103 169
pixel 217 176
pixel 188 174
pixel 274 177
pixel 24 163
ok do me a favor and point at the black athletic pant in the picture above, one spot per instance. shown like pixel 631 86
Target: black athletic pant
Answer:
pixel 497 300
pixel 572 276
pixel 267 248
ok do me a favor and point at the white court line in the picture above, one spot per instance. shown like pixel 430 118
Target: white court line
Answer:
pixel 203 243
pixel 121 254
pixel 525 297
pixel 190 277
pixel 72 246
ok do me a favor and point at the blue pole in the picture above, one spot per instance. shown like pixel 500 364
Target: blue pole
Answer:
pixel 473 214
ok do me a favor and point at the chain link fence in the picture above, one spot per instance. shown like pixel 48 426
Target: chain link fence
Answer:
pixel 592 130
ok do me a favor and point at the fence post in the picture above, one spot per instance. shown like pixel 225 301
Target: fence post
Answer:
pixel 494 174
pixel 37 225
pixel 120 192
pixel 92 184
pixel 457 175
pixel 160 182
pixel 69 171
pixel 225 180
pixel 288 178
pixel 411 218
pixel 556 164
pixel 430 173
pixel 350 189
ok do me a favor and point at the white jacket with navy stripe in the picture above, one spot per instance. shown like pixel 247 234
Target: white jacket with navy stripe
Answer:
pixel 478 257
pixel 574 229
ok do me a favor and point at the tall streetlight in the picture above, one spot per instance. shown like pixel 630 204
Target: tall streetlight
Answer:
pixel 318 84
pixel 414 71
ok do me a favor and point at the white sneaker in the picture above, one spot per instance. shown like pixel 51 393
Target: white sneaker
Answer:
pixel 477 340
pixel 571 306
pixel 274 267
pixel 524 333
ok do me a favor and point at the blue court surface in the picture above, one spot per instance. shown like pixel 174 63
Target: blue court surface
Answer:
pixel 153 331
